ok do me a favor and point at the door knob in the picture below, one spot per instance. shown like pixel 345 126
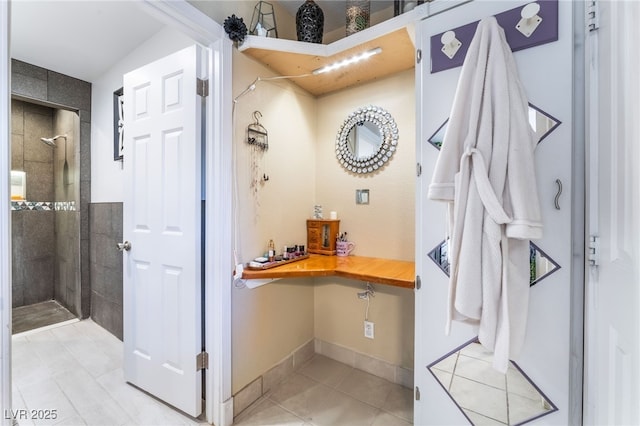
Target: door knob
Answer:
pixel 126 246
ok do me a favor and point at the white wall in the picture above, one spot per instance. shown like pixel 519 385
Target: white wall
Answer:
pixel 106 174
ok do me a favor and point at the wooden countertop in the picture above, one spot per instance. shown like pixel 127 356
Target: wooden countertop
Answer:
pixel 399 273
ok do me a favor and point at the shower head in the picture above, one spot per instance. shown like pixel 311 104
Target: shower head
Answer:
pixel 52 141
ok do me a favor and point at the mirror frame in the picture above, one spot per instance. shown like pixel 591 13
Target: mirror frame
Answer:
pixel 388 130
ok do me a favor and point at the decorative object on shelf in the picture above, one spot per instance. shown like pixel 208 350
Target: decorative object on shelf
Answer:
pixel 402 6
pixel 118 124
pixel 310 22
pixel 366 140
pixel 235 28
pixel 358 12
pixel 317 212
pixel 322 236
pixel 263 21
pixel 258 139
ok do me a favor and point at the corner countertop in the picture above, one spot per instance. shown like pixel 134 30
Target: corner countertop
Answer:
pixel 398 273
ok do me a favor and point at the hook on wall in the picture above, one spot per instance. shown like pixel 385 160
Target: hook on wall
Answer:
pixel 530 19
pixel 450 44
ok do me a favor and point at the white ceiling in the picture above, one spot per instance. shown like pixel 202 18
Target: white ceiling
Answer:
pixel 83 38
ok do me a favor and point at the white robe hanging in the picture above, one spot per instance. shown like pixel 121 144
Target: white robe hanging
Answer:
pixel 486 172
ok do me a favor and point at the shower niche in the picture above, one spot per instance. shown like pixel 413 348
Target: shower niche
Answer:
pixel 45 218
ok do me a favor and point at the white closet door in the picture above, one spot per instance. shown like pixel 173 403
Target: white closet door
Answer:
pixel 462 387
pixel 612 380
pixel 162 269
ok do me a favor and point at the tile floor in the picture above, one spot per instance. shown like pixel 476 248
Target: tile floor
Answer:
pixel 38 315
pixel 327 392
pixel 76 369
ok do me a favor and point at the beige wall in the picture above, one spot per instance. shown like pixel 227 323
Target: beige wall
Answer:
pixel 339 319
pixel 271 321
pixel 385 227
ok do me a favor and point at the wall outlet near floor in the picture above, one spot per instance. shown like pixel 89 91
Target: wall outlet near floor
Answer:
pixel 368 329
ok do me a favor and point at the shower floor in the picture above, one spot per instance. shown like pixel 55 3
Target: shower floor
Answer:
pixel 38 315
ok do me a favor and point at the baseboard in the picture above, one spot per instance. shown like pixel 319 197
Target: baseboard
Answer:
pixel 283 369
pixel 365 362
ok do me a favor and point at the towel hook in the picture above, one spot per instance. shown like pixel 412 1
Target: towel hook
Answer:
pixel 530 19
pixel 450 44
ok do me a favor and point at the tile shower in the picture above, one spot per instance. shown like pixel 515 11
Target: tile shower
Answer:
pixel 46 226
pixel 50 226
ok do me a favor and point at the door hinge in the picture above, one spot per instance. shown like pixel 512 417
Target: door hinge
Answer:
pixel 202 361
pixel 418 169
pixel 594 248
pixel 418 282
pixel 202 87
pixel 417 393
pixel 418 55
pixel 593 15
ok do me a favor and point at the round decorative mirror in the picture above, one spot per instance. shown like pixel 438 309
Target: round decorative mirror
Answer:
pixel 366 140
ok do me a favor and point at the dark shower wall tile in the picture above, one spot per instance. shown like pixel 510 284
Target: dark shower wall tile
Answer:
pixel 39 236
pixel 38 287
pixel 116 219
pixel 105 226
pixel 17 296
pixel 28 70
pixel 37 126
pixel 102 311
pixel 28 86
pixel 39 181
pixel 65 90
pixel 17 155
pixel 17 119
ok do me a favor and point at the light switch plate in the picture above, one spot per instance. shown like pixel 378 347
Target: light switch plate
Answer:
pixel 362 196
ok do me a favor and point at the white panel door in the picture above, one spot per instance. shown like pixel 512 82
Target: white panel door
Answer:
pixel 162 269
pixel 613 298
pixel 462 387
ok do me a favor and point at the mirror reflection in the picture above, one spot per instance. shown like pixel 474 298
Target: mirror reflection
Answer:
pixel 484 395
pixel 541 123
pixel 541 265
pixel 364 140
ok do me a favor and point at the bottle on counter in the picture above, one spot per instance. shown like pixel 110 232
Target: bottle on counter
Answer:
pixel 272 251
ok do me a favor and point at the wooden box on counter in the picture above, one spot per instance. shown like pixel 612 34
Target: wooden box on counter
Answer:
pixel 322 235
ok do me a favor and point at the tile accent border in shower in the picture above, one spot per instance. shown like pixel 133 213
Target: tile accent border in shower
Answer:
pixel 43 205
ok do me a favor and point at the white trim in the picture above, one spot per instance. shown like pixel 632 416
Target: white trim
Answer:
pixel 219 220
pixel 218 238
pixel 5 223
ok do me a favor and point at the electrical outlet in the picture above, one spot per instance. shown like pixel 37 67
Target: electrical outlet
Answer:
pixel 368 329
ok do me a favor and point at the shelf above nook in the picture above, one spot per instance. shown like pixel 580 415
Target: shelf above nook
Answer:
pixel 291 58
